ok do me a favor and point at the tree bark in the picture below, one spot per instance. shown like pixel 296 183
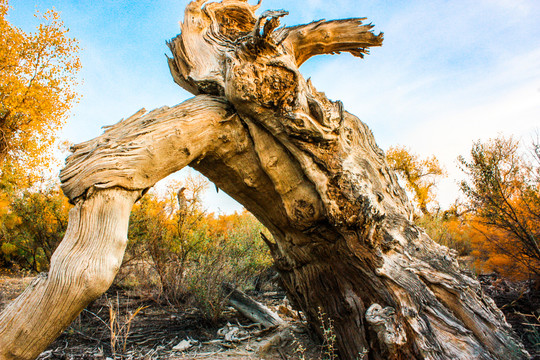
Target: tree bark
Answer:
pixel 105 176
pixel 309 171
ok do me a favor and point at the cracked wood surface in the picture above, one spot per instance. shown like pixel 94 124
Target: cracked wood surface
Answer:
pixel 308 170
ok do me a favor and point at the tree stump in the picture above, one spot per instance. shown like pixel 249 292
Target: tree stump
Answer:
pixel 308 170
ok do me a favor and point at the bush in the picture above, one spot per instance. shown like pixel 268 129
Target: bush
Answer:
pixel 32 227
pixel 174 245
pixel 191 252
pixel 449 230
pixel 503 192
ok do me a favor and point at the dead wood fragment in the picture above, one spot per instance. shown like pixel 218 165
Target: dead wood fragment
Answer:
pixel 253 310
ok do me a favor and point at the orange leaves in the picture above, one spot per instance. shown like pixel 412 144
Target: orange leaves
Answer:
pixel 503 191
pixel 448 230
pixel 485 248
pixel 38 76
pixel 191 251
pixel 222 225
pixel 500 225
pixel 496 251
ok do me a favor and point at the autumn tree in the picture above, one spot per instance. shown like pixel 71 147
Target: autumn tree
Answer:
pixel 31 227
pixel 38 76
pixel 420 175
pixel 169 229
pixel 503 189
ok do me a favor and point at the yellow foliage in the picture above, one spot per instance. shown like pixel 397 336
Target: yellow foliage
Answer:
pixel 8 249
pixel 37 88
pixel 4 202
pixel 32 225
pixel 492 249
pixel 498 251
pixel 193 252
pixel 420 175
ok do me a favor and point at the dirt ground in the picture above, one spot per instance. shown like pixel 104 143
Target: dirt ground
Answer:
pixel 520 303
pixel 158 331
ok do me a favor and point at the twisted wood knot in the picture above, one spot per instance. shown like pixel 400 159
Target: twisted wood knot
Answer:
pixel 385 323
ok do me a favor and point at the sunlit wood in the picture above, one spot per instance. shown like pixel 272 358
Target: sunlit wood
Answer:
pixel 308 170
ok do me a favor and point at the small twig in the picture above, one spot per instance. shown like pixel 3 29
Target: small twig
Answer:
pixel 207 354
pixel 100 319
pixel 86 336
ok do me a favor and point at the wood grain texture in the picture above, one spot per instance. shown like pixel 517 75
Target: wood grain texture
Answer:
pixel 251 309
pixel 318 181
pixel 161 142
pixel 308 170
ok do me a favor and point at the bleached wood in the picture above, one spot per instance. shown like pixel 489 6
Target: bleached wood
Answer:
pixel 330 37
pixel 310 172
pixel 251 309
pixel 104 177
pixel 144 148
pixel 323 188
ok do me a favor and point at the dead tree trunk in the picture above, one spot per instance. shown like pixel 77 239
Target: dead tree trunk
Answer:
pixel 307 169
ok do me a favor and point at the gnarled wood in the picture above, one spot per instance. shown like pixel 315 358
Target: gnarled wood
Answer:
pixel 104 177
pixel 330 37
pixel 311 173
pixel 161 142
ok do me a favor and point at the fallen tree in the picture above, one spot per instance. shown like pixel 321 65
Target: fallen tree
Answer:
pixel 308 170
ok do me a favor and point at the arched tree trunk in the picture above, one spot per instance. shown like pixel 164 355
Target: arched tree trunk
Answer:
pixel 308 170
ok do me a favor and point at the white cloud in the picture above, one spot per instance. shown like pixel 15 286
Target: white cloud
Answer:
pixel 437 108
pixel 448 73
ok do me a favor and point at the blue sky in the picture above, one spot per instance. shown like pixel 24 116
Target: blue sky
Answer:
pixel 449 72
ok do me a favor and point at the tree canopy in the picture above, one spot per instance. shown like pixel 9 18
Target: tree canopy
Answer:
pixel 38 77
